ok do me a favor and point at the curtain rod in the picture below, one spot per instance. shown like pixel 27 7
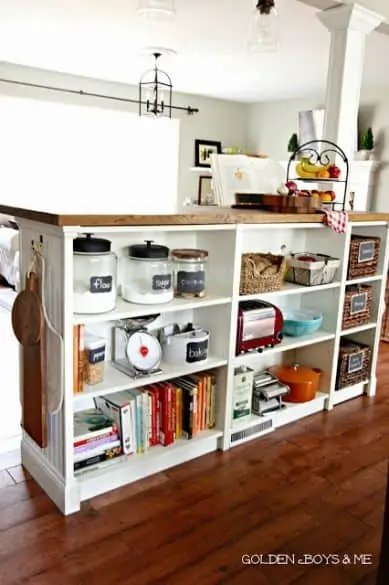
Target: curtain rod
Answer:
pixel 188 109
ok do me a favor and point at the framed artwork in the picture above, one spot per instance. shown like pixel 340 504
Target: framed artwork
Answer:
pixel 205 195
pixel 203 151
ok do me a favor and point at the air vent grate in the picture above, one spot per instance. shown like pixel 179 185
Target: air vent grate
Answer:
pixel 246 434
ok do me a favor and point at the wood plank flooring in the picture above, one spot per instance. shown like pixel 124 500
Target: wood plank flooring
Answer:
pixel 313 488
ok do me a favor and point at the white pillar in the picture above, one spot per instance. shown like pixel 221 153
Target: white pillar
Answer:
pixel 349 24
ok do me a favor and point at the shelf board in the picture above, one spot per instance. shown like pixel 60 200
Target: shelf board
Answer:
pixel 317 180
pixel 290 288
pixel 125 470
pixel 348 393
pixel 296 411
pixel 115 381
pixel 365 327
pixel 204 170
pixel 126 310
pixel 288 343
pixel 364 279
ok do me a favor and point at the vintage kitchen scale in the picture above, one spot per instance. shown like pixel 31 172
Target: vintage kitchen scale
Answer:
pixel 268 393
pixel 136 351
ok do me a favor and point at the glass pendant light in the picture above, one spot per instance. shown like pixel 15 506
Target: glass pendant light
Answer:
pixel 264 33
pixel 156 10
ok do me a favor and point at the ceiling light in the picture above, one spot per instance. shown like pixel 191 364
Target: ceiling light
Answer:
pixel 264 32
pixel 156 10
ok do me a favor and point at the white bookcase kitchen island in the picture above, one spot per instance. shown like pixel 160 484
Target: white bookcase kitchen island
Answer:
pixel 226 235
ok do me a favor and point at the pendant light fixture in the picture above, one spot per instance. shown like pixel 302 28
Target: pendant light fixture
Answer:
pixel 156 10
pixel 156 93
pixel 264 33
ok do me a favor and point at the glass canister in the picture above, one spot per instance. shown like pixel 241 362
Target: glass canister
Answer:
pixel 94 275
pixel 190 272
pixel 148 277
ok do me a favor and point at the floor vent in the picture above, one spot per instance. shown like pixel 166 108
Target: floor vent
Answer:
pixel 246 434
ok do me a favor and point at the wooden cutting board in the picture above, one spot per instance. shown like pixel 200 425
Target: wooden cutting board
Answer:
pixel 28 326
pixel 277 203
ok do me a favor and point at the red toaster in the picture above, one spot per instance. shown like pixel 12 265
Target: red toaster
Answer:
pixel 260 325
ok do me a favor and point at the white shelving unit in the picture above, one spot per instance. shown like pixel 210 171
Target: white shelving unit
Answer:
pixel 53 467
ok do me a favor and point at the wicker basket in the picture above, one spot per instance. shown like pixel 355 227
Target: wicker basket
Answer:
pixel 364 253
pixel 261 273
pixel 321 271
pixel 357 306
pixel 353 364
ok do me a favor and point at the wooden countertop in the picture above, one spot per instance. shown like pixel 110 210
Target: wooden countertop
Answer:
pixel 221 215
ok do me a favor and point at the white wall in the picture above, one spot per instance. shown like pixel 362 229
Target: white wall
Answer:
pixel 217 119
pixel 272 123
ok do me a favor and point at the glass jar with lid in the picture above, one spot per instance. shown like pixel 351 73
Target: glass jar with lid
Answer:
pixel 148 275
pixel 189 272
pixel 94 275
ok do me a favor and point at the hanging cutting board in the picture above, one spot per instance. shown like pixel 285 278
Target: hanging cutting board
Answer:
pixel 28 326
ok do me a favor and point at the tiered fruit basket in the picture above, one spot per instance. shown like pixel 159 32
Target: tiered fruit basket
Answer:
pixel 320 162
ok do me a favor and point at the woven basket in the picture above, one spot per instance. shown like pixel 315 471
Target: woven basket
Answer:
pixel 353 364
pixel 357 306
pixel 256 275
pixel 364 253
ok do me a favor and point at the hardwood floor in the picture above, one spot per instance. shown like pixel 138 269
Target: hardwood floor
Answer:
pixel 312 488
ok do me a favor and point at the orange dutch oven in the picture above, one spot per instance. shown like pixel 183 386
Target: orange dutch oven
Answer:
pixel 303 382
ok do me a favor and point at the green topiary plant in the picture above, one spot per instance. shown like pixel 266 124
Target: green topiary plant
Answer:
pixel 367 141
pixel 293 143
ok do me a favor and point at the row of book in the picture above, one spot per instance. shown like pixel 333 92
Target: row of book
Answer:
pixel 133 421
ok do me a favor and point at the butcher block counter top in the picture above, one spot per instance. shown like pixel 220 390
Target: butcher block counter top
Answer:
pixel 219 215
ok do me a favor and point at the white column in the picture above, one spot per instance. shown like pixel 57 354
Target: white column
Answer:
pixel 349 24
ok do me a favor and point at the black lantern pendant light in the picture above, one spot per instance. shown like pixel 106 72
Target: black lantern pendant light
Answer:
pixel 156 93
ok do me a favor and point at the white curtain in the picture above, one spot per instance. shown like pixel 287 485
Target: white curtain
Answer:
pixel 77 159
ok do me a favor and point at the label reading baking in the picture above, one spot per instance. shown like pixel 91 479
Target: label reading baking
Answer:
pixel 162 282
pixel 96 356
pixel 358 303
pixel 196 351
pixel 355 363
pixel 366 251
pixel 190 282
pixel 100 284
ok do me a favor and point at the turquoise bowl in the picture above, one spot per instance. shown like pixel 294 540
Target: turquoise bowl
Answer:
pixel 299 322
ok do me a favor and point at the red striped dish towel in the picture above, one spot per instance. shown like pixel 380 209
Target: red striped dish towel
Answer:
pixel 336 220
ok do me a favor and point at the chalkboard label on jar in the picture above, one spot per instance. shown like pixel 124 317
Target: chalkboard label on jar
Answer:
pixel 366 251
pixel 196 351
pixel 96 356
pixel 190 282
pixel 162 282
pixel 100 284
pixel 355 363
pixel 358 303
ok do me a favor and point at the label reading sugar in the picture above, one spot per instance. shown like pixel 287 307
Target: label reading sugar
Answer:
pixel 100 284
pixel 196 351
pixel 162 282
pixel 358 303
pixel 190 282
pixel 355 363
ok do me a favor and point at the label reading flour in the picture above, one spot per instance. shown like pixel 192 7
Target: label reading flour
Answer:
pixel 162 282
pixel 97 355
pixel 190 282
pixel 196 351
pixel 100 284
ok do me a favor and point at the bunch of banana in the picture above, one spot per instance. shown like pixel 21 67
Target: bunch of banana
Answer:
pixel 306 170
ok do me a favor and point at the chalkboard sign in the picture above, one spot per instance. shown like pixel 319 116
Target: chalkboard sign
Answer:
pixel 162 282
pixel 366 251
pixel 100 284
pixel 190 282
pixel 355 362
pixel 97 355
pixel 196 351
pixel 358 303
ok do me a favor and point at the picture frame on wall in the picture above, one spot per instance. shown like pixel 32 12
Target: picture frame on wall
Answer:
pixel 205 193
pixel 203 151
